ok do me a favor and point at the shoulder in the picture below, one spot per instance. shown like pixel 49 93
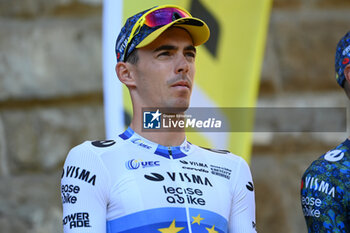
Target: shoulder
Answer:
pixel 334 162
pixel 226 164
pixel 338 155
pixel 96 147
pixel 86 163
pixel 219 151
pixel 221 155
pixel 331 159
pixel 92 151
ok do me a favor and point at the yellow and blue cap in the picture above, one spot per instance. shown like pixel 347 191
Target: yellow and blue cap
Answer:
pixel 144 27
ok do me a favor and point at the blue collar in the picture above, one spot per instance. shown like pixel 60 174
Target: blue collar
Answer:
pixel 169 152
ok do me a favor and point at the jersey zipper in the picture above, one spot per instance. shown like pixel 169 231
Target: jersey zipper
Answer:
pixel 170 152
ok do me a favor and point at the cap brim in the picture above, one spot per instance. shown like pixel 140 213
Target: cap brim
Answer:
pixel 197 28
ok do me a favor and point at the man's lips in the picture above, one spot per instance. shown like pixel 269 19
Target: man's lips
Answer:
pixel 181 84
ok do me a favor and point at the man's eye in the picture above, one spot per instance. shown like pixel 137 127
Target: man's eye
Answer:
pixel 190 54
pixel 164 54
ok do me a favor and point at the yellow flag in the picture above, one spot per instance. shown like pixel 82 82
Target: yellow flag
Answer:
pixel 228 65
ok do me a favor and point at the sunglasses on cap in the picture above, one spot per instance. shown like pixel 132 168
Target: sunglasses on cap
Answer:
pixel 158 16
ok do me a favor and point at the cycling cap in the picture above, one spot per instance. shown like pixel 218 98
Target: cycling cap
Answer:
pixel 342 58
pixel 144 27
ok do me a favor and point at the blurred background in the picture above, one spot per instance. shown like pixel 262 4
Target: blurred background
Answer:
pixel 51 99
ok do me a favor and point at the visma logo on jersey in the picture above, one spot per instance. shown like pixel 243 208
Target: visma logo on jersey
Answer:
pixel 158 120
pixel 134 164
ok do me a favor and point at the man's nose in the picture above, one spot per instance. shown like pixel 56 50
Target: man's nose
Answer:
pixel 182 64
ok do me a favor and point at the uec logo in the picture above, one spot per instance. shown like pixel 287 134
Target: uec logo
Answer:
pixel 134 164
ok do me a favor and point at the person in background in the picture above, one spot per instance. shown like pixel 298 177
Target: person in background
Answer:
pixel 325 185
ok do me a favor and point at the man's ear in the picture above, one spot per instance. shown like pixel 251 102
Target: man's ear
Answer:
pixel 347 73
pixel 124 73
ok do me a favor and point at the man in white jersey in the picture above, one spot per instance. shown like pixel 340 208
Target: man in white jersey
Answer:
pixel 147 182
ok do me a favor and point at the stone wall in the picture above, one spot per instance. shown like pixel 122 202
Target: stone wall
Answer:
pixel 51 100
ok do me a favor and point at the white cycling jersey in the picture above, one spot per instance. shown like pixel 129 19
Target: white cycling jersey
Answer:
pixel 134 185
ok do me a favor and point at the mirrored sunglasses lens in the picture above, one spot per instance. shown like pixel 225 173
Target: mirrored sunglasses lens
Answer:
pixel 164 16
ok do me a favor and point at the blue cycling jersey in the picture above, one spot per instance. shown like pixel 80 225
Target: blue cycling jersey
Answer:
pixel 134 185
pixel 325 191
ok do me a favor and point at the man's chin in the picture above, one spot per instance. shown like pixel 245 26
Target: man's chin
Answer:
pixel 177 107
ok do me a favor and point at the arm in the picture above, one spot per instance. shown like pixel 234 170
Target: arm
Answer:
pixel 242 218
pixel 84 191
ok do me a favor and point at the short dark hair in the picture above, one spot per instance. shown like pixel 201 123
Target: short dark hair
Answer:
pixel 133 57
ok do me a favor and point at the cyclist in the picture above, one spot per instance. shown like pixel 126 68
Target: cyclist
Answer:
pixel 325 184
pixel 156 181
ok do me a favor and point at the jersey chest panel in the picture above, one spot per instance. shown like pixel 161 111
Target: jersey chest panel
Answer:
pixel 186 189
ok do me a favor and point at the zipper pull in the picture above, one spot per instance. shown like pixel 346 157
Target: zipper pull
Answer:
pixel 170 152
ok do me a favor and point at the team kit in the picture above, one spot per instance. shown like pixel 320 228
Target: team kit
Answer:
pixel 172 187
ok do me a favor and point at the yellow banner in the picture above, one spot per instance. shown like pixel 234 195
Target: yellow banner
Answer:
pixel 229 64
